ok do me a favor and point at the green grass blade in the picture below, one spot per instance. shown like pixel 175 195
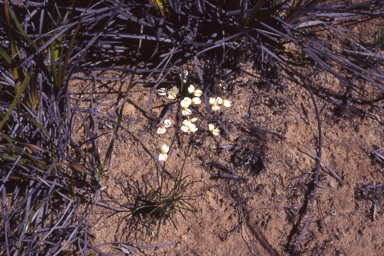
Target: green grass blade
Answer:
pixel 70 46
pixel 28 223
pixel 15 101
pixel 161 6
pixel 118 124
pixel 54 53
pixel 18 25
pixel 36 123
pixel 33 86
pixel 253 13
pixel 5 56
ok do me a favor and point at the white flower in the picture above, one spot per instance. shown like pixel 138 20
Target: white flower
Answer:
pixel 185 103
pixel 167 122
pixel 163 155
pixel 214 103
pixel 162 128
pixel 189 121
pixel 186 112
pixel 215 131
pixel 188 128
pixel 226 103
pixel 195 101
pixel 172 93
pixel 162 91
pixel 196 93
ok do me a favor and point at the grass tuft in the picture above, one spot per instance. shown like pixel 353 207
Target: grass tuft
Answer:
pixel 162 199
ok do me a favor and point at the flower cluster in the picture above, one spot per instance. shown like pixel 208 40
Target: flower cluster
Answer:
pixel 194 99
pixel 215 105
pixel 188 125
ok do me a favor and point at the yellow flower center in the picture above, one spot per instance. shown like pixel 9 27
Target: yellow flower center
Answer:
pixel 163 152
pixel 163 126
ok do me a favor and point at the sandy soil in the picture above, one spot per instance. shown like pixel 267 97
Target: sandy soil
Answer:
pixel 263 142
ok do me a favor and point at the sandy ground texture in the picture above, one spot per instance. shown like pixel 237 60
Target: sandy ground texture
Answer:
pixel 253 184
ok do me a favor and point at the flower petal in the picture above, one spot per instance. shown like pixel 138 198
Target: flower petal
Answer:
pixel 186 112
pixel 167 122
pixel 175 89
pixel 198 93
pixel 191 89
pixel 184 128
pixel 227 103
pixel 161 92
pixel 196 100
pixel 216 132
pixel 163 157
pixel 165 148
pixel 186 123
pixel 161 130
pixel 185 102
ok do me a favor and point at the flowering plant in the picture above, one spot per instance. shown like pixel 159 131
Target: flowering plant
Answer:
pixel 214 104
pixel 163 154
pixel 185 103
pixel 162 129
pixel 188 127
pixel 215 131
pixel 196 93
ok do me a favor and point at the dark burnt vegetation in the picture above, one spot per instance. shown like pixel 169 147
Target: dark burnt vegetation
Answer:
pixel 249 151
pixel 48 175
pixel 373 193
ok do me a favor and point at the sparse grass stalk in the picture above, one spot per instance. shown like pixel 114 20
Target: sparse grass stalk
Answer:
pixel 162 201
